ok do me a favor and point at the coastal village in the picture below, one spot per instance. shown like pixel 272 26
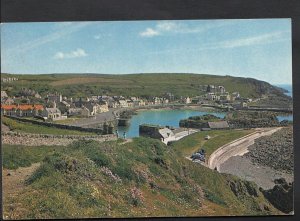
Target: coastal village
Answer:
pixel 57 107
pixel 101 116
pixel 106 111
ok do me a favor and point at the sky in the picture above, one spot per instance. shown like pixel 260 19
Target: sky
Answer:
pixel 256 48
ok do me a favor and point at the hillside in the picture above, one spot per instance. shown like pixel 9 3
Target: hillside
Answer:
pixel 116 179
pixel 143 85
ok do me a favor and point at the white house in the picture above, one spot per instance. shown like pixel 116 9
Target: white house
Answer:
pixel 123 103
pixel 212 97
pixel 52 113
pixel 187 100
pixel 167 135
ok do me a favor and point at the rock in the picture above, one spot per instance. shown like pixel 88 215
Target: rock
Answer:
pixel 276 151
pixel 281 196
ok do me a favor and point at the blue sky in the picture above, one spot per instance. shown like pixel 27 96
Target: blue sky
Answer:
pixel 257 48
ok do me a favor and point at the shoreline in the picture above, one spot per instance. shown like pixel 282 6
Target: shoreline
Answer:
pixel 196 107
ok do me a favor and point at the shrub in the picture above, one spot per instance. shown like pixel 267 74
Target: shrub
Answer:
pixel 214 198
pixel 42 171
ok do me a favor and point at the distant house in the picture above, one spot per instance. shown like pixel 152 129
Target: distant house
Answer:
pixel 218 125
pixel 92 107
pixel 85 112
pixel 37 95
pixel 170 96
pixel 211 89
pixel 157 100
pixel 7 101
pixel 221 89
pixel 235 96
pixel 22 110
pixel 52 113
pixel 157 132
pixel 165 101
pixel 130 103
pixel 74 111
pixel 66 104
pixel 225 97
pixel 55 97
pixel 137 103
pixel 123 103
pixel 212 97
pixel 112 103
pixel 95 108
pixel 187 100
pixel 167 135
pixel 3 95
pixel 164 134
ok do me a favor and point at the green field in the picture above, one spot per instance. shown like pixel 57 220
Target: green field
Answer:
pixel 192 143
pixel 143 178
pixel 18 126
pixel 143 85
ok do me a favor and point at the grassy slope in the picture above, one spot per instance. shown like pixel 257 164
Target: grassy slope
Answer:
pixel 155 181
pixel 133 84
pixel 18 126
pixel 194 142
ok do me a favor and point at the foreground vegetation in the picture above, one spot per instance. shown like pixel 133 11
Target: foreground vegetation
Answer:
pixel 115 179
pixel 18 126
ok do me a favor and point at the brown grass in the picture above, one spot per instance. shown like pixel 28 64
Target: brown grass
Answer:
pixel 87 80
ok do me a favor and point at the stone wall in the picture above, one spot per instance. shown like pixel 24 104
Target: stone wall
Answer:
pixel 28 139
pixel 60 126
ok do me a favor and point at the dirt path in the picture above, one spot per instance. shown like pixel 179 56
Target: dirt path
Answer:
pixel 127 141
pixel 237 147
pixel 13 180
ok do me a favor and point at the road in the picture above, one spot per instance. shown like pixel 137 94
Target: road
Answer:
pixel 237 147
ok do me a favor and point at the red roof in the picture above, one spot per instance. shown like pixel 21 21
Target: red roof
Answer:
pixel 23 107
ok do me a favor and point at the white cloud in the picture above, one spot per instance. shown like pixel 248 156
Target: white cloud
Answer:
pixel 149 32
pixel 79 52
pixel 175 27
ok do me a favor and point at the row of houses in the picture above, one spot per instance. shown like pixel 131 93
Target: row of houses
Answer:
pixel 222 97
pixel 9 79
pixel 31 110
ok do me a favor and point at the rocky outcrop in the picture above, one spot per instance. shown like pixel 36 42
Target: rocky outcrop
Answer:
pixel 275 151
pixel 281 196
pixel 241 188
pixel 252 119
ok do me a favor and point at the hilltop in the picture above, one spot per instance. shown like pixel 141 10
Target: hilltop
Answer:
pixel 142 85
